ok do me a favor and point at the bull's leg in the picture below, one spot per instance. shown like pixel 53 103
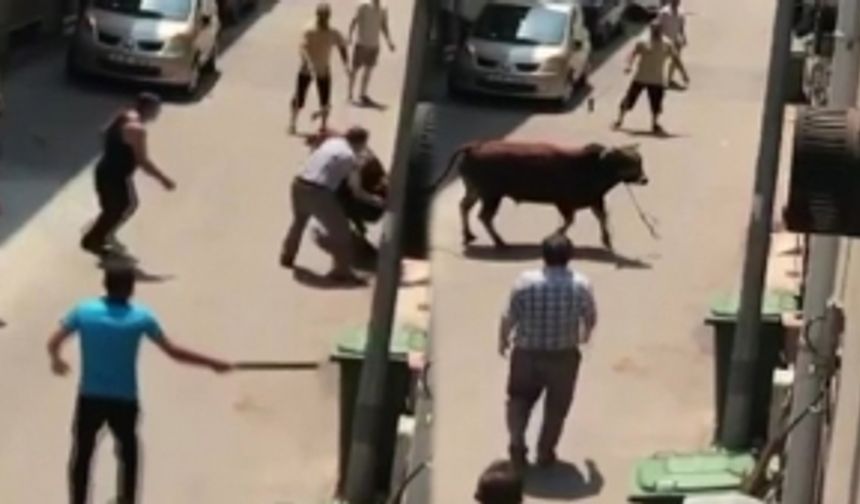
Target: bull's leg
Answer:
pixel 603 218
pixel 489 208
pixel 567 214
pixel 466 204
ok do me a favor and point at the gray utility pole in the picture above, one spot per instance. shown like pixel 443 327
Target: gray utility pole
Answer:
pixel 363 455
pixel 735 433
pixel 817 350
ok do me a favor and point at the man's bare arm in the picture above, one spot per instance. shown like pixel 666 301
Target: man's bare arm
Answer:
pixel 505 327
pixel 136 137
pixel 385 30
pixel 55 344
pixel 186 356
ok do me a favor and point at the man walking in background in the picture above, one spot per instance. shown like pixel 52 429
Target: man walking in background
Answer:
pixel 674 28
pixel 371 22
pixel 551 312
pixel 314 194
pixel 125 149
pixel 651 57
pixel 110 330
pixel 318 41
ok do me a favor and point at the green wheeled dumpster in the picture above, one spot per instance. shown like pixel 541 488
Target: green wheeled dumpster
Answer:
pixel 349 354
pixel 723 318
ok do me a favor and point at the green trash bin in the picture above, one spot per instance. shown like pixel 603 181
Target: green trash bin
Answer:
pixel 349 354
pixel 723 318
pixel 670 478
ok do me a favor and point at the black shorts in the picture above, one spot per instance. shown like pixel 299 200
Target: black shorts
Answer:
pixel 655 96
pixel 303 83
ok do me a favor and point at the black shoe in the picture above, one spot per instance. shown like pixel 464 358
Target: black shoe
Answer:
pixel 97 250
pixel 287 262
pixel 348 278
pixel 547 460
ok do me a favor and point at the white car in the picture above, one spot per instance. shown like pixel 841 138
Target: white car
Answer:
pixel 527 48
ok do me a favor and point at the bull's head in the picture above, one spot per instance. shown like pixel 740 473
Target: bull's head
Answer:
pixel 627 160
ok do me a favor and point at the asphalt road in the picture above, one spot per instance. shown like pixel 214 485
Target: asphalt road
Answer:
pixel 211 250
pixel 646 383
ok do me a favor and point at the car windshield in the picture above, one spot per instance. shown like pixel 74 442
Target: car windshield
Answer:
pixel 157 9
pixel 523 25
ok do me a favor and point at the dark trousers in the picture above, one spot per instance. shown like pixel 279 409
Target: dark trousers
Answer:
pixel 117 201
pixel 303 83
pixel 121 418
pixel 532 374
pixel 655 97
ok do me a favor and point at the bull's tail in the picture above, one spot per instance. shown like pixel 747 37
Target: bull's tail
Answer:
pixel 453 164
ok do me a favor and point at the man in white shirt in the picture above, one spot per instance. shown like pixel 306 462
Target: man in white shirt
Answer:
pixel 370 22
pixel 671 19
pixel 314 194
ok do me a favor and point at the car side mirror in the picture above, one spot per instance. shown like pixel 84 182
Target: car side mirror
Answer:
pixel 577 45
pixel 206 19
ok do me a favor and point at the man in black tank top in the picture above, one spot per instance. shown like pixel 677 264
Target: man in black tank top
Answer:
pixel 125 149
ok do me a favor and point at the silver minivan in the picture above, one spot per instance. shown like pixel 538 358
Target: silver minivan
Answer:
pixel 168 42
pixel 529 48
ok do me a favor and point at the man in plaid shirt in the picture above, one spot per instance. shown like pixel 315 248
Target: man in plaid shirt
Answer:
pixel 551 312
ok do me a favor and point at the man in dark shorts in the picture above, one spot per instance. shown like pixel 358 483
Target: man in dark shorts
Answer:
pixel 652 56
pixel 125 149
pixel 318 41
pixel 370 22
pixel 110 330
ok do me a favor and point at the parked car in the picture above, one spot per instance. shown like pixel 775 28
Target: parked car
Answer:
pixel 644 9
pixel 229 11
pixel 171 42
pixel 528 48
pixel 604 18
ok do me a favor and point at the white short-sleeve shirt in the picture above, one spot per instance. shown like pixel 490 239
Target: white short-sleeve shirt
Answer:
pixel 330 164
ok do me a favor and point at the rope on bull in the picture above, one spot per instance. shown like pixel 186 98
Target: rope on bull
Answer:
pixel 645 218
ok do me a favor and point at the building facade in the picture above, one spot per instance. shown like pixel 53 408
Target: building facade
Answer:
pixel 40 17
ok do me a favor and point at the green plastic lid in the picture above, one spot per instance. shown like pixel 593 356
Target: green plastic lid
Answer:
pixel 774 304
pixel 404 340
pixel 682 474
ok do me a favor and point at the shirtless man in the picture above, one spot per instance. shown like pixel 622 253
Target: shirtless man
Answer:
pixel 317 43
pixel 125 149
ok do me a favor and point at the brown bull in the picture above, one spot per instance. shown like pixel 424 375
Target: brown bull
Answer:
pixel 569 178
pixel 374 180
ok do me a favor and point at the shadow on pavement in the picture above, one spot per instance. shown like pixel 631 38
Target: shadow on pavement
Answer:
pixel 313 279
pixel 531 252
pixel 564 481
pixel 128 261
pixel 648 133
pixel 51 129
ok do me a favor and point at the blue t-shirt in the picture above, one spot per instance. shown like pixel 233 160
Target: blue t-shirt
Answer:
pixel 110 335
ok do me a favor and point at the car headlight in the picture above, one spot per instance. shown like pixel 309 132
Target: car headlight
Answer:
pixel 178 43
pixel 555 64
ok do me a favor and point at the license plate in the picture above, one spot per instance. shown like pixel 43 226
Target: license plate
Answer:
pixel 503 78
pixel 124 59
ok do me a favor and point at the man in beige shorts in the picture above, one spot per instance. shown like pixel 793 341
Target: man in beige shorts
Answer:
pixel 370 21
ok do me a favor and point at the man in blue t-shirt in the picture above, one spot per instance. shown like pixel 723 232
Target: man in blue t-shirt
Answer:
pixel 110 330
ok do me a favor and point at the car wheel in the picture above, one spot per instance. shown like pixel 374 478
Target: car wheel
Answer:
pixel 227 11
pixel 211 65
pixel 193 85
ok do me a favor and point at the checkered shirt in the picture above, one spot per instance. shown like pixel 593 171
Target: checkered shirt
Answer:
pixel 547 308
